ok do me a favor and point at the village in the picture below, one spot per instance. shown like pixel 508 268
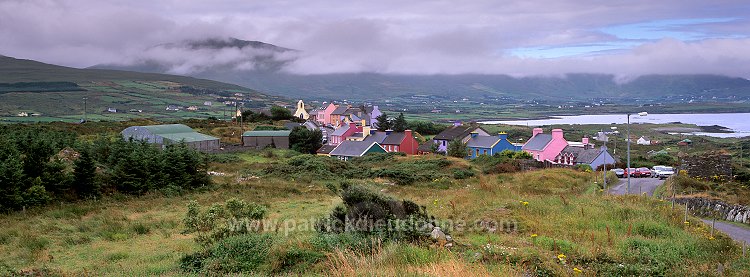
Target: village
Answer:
pixel 350 131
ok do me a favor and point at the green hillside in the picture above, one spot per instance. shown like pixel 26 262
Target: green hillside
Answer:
pixel 56 93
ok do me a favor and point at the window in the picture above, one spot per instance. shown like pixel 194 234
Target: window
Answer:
pixel 477 151
pixel 469 154
pixel 484 151
pixel 443 143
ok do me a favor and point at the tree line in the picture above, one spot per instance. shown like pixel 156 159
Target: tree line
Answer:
pixel 39 166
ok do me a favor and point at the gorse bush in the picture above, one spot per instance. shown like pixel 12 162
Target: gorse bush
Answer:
pixel 221 221
pixel 369 213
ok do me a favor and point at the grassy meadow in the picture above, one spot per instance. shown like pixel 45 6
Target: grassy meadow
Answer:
pixel 540 223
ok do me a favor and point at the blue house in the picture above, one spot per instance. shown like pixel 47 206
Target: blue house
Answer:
pixel 488 145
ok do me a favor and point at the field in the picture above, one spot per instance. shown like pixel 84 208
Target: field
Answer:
pixel 549 222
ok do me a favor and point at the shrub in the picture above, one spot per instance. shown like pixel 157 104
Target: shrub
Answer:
pixel 217 222
pixel 371 213
pixel 463 173
pixel 244 253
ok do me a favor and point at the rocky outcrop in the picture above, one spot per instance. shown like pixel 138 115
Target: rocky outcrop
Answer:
pixel 710 166
pixel 709 208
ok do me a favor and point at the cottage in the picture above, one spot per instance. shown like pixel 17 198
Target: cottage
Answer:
pixel 588 155
pixel 456 132
pixel 643 141
pixel 342 133
pixel 488 145
pixel 545 147
pixel 263 139
pixel 163 135
pixel 350 149
pixel 337 115
pixel 192 108
pixel 324 114
pixel 403 142
pixel 601 136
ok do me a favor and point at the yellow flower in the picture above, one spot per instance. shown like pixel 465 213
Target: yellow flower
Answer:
pixel 561 257
pixel 711 238
pixel 525 203
pixel 577 271
pixel 687 222
pixel 534 235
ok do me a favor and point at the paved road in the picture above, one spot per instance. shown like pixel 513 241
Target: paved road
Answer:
pixel 736 232
pixel 637 186
pixel 648 185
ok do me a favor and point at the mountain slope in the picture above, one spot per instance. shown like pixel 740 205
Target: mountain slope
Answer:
pixel 57 92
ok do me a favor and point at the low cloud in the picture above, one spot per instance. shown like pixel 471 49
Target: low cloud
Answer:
pixel 419 37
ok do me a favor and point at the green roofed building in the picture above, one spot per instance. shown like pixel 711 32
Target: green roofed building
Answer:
pixel 170 134
pixel 263 139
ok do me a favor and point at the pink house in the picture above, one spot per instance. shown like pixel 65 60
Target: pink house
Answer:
pixel 324 115
pixel 545 147
pixel 343 132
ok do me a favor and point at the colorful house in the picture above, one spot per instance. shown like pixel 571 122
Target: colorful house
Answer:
pixel 342 133
pixel 457 132
pixel 545 147
pixel 323 115
pixel 337 115
pixel 488 145
pixel 351 149
pixel 587 155
pixel 403 142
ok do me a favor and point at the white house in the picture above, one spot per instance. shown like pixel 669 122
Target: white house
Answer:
pixel 643 141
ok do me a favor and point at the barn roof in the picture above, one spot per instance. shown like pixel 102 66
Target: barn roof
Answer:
pixel 266 134
pixel 175 132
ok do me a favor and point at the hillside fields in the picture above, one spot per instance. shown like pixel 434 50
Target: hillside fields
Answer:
pixel 132 94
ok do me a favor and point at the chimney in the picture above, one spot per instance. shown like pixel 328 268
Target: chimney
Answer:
pixel 365 129
pixel 388 132
pixel 536 132
pixel 557 134
pixel 585 141
pixel 457 123
pixel 363 122
pixel 474 134
pixel 503 135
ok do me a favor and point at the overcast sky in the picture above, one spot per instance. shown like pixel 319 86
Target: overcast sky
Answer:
pixel 528 37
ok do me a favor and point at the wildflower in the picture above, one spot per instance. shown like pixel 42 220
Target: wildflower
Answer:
pixel 711 238
pixel 435 202
pixel 534 236
pixel 561 257
pixel 577 271
pixel 525 203
pixel 687 222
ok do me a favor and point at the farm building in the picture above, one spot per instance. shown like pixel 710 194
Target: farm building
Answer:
pixel 262 139
pixel 172 133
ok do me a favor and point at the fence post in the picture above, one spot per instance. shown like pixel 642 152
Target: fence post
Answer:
pixel 686 208
pixel 744 250
pixel 713 224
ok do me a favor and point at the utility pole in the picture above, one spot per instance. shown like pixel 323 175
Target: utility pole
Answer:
pixel 628 139
pixel 85 117
pixel 605 165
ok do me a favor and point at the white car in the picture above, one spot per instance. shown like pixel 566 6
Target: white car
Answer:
pixel 662 172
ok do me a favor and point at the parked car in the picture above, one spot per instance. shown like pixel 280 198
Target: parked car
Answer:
pixel 630 172
pixel 662 172
pixel 643 172
pixel 619 172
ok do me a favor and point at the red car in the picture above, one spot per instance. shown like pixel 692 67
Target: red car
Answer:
pixel 645 172
pixel 630 171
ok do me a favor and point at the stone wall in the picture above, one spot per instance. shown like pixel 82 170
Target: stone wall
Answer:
pixel 708 208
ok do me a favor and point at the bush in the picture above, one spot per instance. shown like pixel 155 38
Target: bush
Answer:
pixel 463 173
pixel 237 254
pixel 218 222
pixel 373 214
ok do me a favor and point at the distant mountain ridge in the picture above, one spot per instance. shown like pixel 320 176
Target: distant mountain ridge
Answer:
pixel 260 65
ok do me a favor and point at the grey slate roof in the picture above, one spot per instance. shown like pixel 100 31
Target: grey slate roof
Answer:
pixel 326 149
pixel 291 125
pixel 340 110
pixel 482 141
pixel 538 142
pixel 456 132
pixel 394 138
pixel 353 148
pixel 426 147
pixel 341 130
pixel 376 137
pixel 582 155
